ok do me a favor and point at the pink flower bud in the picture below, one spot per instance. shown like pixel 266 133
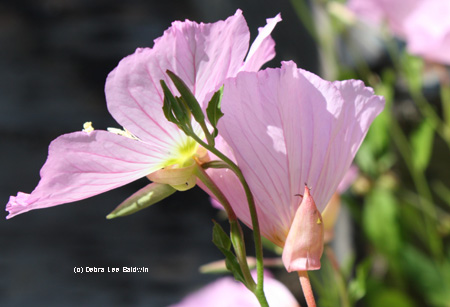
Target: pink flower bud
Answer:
pixel 304 243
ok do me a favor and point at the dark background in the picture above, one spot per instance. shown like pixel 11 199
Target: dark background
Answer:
pixel 54 58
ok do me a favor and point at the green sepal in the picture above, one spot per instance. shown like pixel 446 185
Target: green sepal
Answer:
pixel 175 110
pixel 145 197
pixel 213 110
pixel 170 106
pixel 223 243
pixel 188 97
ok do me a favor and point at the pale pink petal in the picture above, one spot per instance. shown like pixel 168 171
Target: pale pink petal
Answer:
pixel 349 177
pixel 369 11
pixel 263 48
pixel 202 55
pixel 81 165
pixel 304 243
pixel 393 12
pixel 288 127
pixel 427 31
pixel 226 292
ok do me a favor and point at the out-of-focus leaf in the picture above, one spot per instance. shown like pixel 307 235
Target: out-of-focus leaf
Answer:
pixel 412 67
pixel 389 298
pixel 442 191
pixel 374 147
pixel 357 286
pixel 422 145
pixel 380 220
pixel 431 277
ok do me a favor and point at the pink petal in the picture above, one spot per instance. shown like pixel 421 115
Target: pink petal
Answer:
pixel 263 48
pixel 81 165
pixel 370 11
pixel 349 177
pixel 226 292
pixel 203 55
pixel 304 243
pixel 287 127
pixel 427 31
pixel 393 12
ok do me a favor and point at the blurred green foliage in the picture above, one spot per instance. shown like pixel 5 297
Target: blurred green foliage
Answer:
pixel 400 205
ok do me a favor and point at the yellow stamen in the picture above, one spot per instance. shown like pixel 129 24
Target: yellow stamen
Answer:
pixel 87 127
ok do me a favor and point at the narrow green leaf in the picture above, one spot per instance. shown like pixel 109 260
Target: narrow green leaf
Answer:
pixel 145 197
pixel 169 101
pixel 220 237
pixel 223 242
pixel 213 110
pixel 188 97
pixel 422 145
pixel 175 106
pixel 233 266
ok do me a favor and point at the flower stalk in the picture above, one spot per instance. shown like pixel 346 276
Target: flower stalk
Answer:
pixel 259 292
pixel 306 287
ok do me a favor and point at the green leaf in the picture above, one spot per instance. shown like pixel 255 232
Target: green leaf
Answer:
pixel 176 111
pixel 169 102
pixel 390 297
pixel 188 97
pixel 431 277
pixel 380 214
pixel 213 110
pixel 357 287
pixel 233 266
pixel 145 197
pixel 422 145
pixel 374 149
pixel 412 68
pixel 220 237
pixel 223 242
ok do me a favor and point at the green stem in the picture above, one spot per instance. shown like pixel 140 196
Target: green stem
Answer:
pixel 237 237
pixel 259 292
pixel 421 185
pixel 402 143
pixel 209 137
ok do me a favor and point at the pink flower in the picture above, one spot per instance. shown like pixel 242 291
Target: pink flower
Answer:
pixel 288 127
pixel 90 162
pixel 226 292
pixel 423 24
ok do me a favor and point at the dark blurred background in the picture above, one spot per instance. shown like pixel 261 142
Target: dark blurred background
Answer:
pixel 54 58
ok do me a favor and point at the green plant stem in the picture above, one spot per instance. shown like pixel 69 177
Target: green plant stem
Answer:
pixel 402 143
pixel 235 228
pixel 259 291
pixel 440 126
pixel 209 137
pixel 421 185
pixel 427 111
pixel 340 281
